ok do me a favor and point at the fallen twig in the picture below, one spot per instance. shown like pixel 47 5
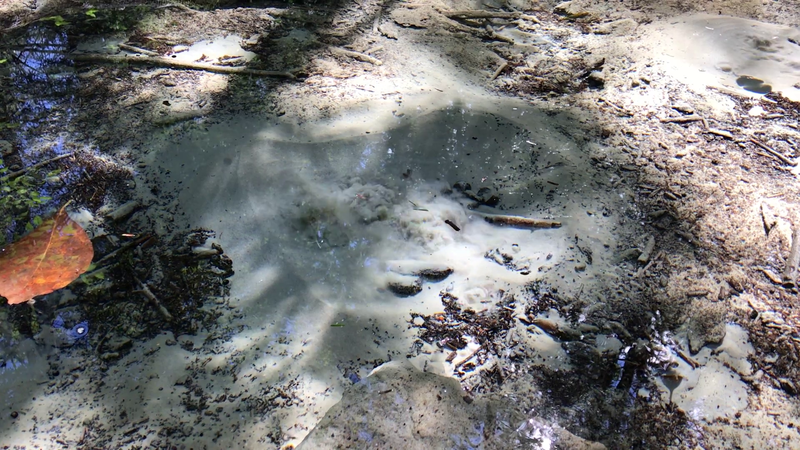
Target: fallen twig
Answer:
pixel 465 360
pixel 21 172
pixel 774 278
pixel 178 6
pixel 718 132
pixel 683 119
pixel 154 300
pixel 356 55
pixel 133 49
pixel 123 211
pixel 126 246
pixel 499 70
pixel 644 258
pixel 172 64
pixel 480 14
pixel 774 153
pixel 789 276
pixel 519 222
pixel 614 105
pixel 689 360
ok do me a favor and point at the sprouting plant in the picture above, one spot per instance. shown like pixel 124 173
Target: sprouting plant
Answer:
pixel 18 195
pixel 57 20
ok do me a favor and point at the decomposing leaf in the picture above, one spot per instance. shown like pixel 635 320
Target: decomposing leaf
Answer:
pixel 46 259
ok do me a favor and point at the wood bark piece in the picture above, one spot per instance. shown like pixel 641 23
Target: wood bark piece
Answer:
pixel 519 222
pixel 774 278
pixel 356 55
pixel 173 64
pixel 403 285
pixel 427 270
pixel 123 211
pixel 648 250
pixel 789 276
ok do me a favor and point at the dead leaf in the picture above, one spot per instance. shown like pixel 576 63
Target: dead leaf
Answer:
pixel 46 259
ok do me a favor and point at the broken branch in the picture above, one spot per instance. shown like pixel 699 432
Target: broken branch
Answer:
pixel 789 276
pixel 774 153
pixel 683 119
pixel 465 360
pixel 499 70
pixel 134 49
pixel 479 14
pixel 154 300
pixel 172 64
pixel 356 55
pixel 519 222
pixel 21 172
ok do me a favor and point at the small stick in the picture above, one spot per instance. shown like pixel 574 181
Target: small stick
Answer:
pixel 133 49
pixel 172 64
pixel 774 153
pixel 644 258
pixel 519 222
pixel 21 172
pixel 684 119
pixel 111 255
pixel 789 276
pixel 718 132
pixel 179 6
pixel 356 55
pixel 644 269
pixel 775 279
pixel 530 18
pixel 471 355
pixel 689 360
pixel 154 300
pixel 452 225
pixel 499 70
pixel 479 14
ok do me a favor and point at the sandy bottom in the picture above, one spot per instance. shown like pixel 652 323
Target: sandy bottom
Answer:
pixel 322 217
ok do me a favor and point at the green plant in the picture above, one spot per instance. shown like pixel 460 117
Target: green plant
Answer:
pixel 57 20
pixel 18 196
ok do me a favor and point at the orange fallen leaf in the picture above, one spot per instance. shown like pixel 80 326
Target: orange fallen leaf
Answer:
pixel 48 258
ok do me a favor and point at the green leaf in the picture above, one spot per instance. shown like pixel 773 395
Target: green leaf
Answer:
pixel 57 20
pixel 28 227
pixel 37 221
pixel 3 61
pixel 92 13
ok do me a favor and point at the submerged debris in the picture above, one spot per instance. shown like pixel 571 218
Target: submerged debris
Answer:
pixel 455 327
